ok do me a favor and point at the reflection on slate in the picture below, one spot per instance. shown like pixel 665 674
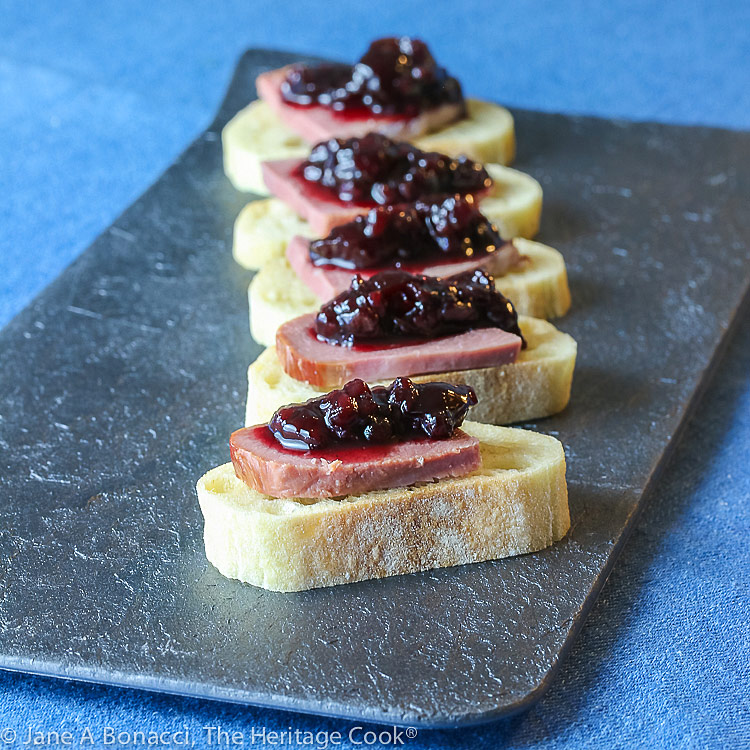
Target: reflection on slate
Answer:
pixel 120 384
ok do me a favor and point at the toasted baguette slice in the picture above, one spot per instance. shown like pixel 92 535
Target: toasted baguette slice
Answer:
pixel 264 227
pixel 538 288
pixel 256 134
pixel 263 230
pixel 516 503
pixel 536 385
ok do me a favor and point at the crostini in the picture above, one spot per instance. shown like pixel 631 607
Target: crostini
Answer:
pixel 428 490
pixel 514 382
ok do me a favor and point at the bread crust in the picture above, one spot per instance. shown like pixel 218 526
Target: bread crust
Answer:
pixel 516 503
pixel 262 231
pixel 256 134
pixel 535 386
pixel 538 288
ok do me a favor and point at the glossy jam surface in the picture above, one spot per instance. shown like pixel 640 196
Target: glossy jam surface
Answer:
pixel 394 304
pixel 348 452
pixel 395 77
pixel 359 415
pixel 409 233
pixel 376 171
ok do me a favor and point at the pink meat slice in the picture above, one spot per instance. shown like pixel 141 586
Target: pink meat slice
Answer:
pixel 304 357
pixel 322 215
pixel 326 282
pixel 317 123
pixel 267 467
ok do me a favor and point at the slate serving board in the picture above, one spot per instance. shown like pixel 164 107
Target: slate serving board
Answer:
pixel 121 382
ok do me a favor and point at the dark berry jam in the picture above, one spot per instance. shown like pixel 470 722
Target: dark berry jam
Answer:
pixel 395 77
pixel 394 304
pixel 409 233
pixel 375 171
pixel 360 414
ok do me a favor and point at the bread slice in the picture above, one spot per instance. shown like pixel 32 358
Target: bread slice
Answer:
pixel 264 227
pixel 263 230
pixel 536 385
pixel 538 288
pixel 256 134
pixel 517 502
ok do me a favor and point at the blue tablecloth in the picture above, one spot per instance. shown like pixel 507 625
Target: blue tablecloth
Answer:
pixel 96 99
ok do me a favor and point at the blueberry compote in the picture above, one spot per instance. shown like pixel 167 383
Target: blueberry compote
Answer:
pixel 409 233
pixel 375 171
pixel 359 414
pixel 393 304
pixel 396 77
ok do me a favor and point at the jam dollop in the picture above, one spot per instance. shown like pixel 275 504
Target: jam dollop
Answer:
pixel 395 77
pixel 375 171
pixel 393 304
pixel 409 233
pixel 357 413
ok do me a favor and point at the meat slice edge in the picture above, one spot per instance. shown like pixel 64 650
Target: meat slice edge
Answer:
pixel 275 471
pixel 304 357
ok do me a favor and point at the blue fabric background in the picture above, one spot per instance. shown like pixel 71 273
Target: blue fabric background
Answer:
pixel 96 99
